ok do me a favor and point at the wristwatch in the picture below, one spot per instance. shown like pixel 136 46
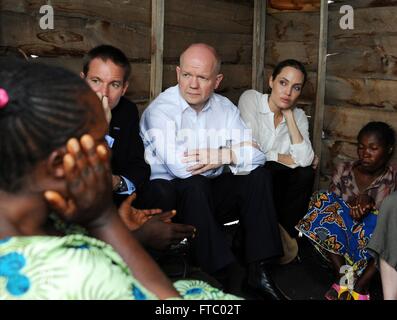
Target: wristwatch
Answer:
pixel 122 186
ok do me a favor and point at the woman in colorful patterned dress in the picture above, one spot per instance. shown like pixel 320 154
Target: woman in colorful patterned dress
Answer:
pixel 44 169
pixel 340 222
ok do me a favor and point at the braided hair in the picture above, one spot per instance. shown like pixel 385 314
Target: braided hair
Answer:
pixel 42 113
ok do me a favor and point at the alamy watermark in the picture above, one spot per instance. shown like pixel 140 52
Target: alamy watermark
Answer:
pixel 47 20
pixel 348 278
pixel 345 22
pixel 169 146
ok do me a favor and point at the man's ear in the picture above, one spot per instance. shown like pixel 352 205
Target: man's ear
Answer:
pixel 55 163
pixel 219 78
pixel 178 72
pixel 126 84
pixel 82 75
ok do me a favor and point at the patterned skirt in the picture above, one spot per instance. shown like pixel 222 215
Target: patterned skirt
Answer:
pixel 330 227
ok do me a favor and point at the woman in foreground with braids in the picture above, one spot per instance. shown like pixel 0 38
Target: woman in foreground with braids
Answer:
pixel 54 159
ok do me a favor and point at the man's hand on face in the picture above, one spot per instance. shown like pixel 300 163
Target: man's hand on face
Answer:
pixel 207 159
pixel 105 105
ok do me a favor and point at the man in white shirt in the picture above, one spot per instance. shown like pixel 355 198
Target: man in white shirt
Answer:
pixel 190 135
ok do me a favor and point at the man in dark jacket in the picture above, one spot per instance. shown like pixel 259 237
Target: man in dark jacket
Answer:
pixel 106 70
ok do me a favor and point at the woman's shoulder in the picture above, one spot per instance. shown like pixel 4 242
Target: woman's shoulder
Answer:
pixel 50 244
pixel 40 267
pixel 300 113
pixel 344 167
pixel 250 95
pixel 251 92
pixel 393 167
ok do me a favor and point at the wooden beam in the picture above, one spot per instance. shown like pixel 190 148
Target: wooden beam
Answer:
pixel 157 48
pixel 258 46
pixel 320 92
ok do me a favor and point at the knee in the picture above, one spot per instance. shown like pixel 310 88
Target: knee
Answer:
pixel 304 175
pixel 194 189
pixel 162 187
pixel 195 183
pixel 261 175
pixel 164 192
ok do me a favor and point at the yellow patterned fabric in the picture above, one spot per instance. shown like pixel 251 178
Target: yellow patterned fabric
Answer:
pixel 76 267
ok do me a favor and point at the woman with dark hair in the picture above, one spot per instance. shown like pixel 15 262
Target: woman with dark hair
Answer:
pixel 282 133
pixel 340 222
pixel 45 169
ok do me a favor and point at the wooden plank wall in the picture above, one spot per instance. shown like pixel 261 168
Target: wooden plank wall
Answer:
pixel 83 24
pixel 361 75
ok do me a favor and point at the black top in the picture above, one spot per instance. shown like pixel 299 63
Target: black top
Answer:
pixel 127 150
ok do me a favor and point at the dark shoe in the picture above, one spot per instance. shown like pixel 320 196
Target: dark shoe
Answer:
pixel 260 281
pixel 182 247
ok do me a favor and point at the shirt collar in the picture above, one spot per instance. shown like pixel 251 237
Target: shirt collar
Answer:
pixel 266 108
pixel 265 104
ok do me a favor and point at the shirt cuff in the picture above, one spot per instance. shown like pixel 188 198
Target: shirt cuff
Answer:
pixel 130 185
pixel 272 156
pixel 245 160
pixel 109 141
pixel 302 154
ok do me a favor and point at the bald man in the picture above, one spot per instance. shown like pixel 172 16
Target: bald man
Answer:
pixel 191 134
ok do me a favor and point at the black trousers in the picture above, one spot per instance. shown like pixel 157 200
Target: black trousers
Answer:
pixel 153 194
pixel 207 203
pixel 292 191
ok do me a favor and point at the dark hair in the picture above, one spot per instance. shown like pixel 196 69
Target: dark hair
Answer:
pixel 289 63
pixel 107 52
pixel 382 131
pixel 43 112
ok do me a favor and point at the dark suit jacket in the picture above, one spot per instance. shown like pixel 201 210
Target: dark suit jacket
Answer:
pixel 127 150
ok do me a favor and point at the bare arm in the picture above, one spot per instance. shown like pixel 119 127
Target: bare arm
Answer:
pixel 301 151
pixel 295 134
pixel 285 159
pixel 142 266
pixel 89 202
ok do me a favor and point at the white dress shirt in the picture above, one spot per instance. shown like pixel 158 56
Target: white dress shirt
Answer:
pixel 256 113
pixel 170 127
